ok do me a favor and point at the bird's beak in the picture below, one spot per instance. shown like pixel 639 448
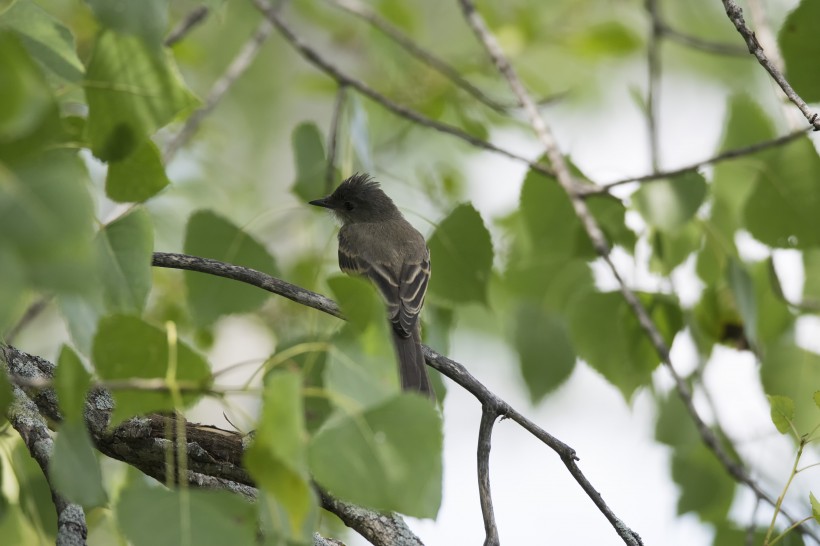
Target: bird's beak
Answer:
pixel 323 202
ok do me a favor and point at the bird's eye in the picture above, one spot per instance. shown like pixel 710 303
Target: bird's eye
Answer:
pixel 348 205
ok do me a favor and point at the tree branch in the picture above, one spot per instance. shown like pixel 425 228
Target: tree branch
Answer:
pixel 191 21
pixel 693 42
pixel 653 63
pixel 735 15
pixel 314 58
pixel 485 434
pixel 333 137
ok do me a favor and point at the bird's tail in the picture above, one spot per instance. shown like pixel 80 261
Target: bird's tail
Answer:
pixel 412 369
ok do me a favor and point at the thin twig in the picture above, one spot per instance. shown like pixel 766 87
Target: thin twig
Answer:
pixel 485 434
pixel 730 50
pixel 408 44
pixel 314 58
pixel 723 156
pixel 653 64
pixel 599 242
pixel 238 65
pixel 191 21
pixel 333 137
pixel 30 314
pixel 735 15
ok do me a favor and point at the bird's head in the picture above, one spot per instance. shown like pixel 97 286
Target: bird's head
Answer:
pixel 359 199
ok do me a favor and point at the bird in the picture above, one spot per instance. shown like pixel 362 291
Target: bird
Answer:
pixel 378 243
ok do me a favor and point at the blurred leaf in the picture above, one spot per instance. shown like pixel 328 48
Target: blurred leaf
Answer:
pixel 74 468
pixel 717 320
pixel 548 217
pixel 138 177
pixel 124 249
pixel 811 267
pixel 71 380
pixel 278 457
pixel 387 458
pixel 132 90
pixel 309 157
pixel 705 487
pixel 461 257
pixel 46 218
pixel 782 411
pixel 782 209
pixel 740 282
pixel 358 300
pixel 671 249
pixel 815 507
pixel 668 204
pixel 358 132
pixel 35 493
pixel 210 236
pixel 159 517
pixel 362 364
pixel 816 397
pixel 555 284
pixel 46 39
pixel 798 42
pixel 147 19
pixel 773 315
pixel 13 287
pixel 25 99
pixel 674 426
pixel 606 39
pixel 545 352
pixel 126 347
pixel 5 401
pixel 611 215
pixel 607 336
pixel 788 370
pixel 728 533
pixel 82 313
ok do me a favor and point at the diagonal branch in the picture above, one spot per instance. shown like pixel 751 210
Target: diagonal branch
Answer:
pixel 735 15
pixel 693 42
pixel 314 58
pixel 599 242
pixel 191 21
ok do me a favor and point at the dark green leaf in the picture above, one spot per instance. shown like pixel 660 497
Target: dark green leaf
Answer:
pixel 705 487
pixel 124 249
pixel 159 517
pixel 147 19
pixel 607 335
pixel 782 209
pixel 799 44
pixel 358 300
pixel 387 458
pixel 137 177
pixel 26 99
pixel 126 347
pixel 71 381
pixel 674 426
pixel 74 468
pixel 278 457
pixel 743 290
pixel 46 39
pixel 549 218
pixel 782 412
pixel 670 249
pixel 461 257
pixel 545 353
pixel 670 203
pixel 211 236
pixel 788 370
pixel 132 90
pixel 309 156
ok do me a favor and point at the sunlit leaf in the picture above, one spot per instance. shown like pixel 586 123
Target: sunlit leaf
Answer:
pixel 782 412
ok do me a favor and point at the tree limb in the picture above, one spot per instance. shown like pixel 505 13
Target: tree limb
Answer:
pixel 485 435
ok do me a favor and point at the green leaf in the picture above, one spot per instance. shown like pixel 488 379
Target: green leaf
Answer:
pixel 670 249
pixel 816 397
pixel 788 370
pixel 45 38
pixel 799 45
pixel 82 313
pixel 35 493
pixel 309 157
pixel 362 364
pixel 815 507
pixel 132 90
pixel 147 19
pixel 46 219
pixel 211 236
pixel 674 426
pixel 71 381
pixel 670 203
pixel 5 398
pixel 138 177
pixel 277 460
pixel 705 487
pixel 545 353
pixel 811 285
pixel 549 218
pixel 743 290
pixel 126 347
pixel 782 209
pixel 74 468
pixel 605 39
pixel 124 248
pixel 13 287
pixel 26 99
pixel 159 517
pixel 358 300
pixel 782 411
pixel 387 458
pixel 608 337
pixel 462 256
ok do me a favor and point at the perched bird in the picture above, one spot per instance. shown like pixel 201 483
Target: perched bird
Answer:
pixel 376 242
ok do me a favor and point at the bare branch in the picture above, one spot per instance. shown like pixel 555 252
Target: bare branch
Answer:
pixel 191 21
pixel 238 65
pixel 723 156
pixel 313 57
pixel 693 42
pixel 485 434
pixel 27 421
pixel 599 242
pixel 735 15
pixel 442 67
pixel 333 137
pixel 29 315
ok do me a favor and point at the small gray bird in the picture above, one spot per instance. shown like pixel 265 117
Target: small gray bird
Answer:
pixel 376 242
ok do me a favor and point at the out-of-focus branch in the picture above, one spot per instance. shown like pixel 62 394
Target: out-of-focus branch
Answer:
pixel 29 315
pixel 191 21
pixel 333 137
pixel 653 63
pixel 485 435
pixel 735 15
pixel 693 42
